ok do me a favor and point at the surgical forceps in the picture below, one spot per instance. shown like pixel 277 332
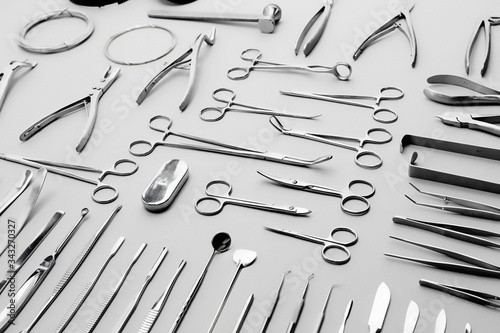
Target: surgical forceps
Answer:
pixel 463 206
pixel 182 62
pixel 486 24
pixel 213 202
pixel 57 168
pixel 221 148
pixel 7 74
pixel 89 103
pixel 254 55
pixel 331 139
pixel 405 6
pixel 326 9
pixel 383 95
pixel 346 196
pixel 329 243
pixel 217 113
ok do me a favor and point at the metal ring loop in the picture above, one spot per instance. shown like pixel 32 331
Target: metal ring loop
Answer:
pixel 123 62
pixel 50 16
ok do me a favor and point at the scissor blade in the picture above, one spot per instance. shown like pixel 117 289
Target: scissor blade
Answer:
pixel 283 181
pixel 62 165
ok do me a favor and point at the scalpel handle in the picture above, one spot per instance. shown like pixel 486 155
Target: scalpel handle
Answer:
pixel 207 17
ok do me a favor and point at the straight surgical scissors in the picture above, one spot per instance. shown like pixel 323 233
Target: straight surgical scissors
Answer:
pixel 217 113
pixel 223 148
pixel 345 196
pixel 254 55
pixel 57 168
pixel 384 94
pixel 329 243
pixel 330 139
pixel 203 206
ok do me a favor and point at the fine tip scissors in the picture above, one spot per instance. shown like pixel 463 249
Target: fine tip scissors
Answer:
pixel 228 96
pixel 472 121
pixel 89 103
pixel 385 94
pixel 347 196
pixel 7 74
pixel 212 203
pixel 326 9
pixel 405 6
pixel 182 62
pixel 486 24
pixel 330 244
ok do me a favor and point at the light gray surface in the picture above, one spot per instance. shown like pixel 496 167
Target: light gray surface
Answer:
pixel 443 30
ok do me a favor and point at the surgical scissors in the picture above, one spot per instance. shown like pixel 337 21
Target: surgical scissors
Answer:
pixel 384 94
pixel 254 55
pixel 329 243
pixel 218 201
pixel 223 148
pixel 217 113
pixel 57 168
pixel 346 196
pixel 89 103
pixel 331 140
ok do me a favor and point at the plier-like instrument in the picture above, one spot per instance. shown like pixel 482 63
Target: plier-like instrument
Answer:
pixel 486 24
pixel 89 103
pixel 7 74
pixel 326 9
pixel 405 6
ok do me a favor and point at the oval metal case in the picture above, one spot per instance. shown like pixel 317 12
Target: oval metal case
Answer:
pixel 165 185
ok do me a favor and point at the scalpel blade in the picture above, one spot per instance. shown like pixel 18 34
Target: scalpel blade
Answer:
pixel 379 308
pixel 411 317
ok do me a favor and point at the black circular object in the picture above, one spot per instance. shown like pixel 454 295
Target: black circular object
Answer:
pixel 96 3
pixel 181 2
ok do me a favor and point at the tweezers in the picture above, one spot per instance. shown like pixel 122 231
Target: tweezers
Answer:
pixel 182 62
pixel 89 103
pixel 470 207
pixel 7 74
pixel 471 295
pixel 486 24
pixel 478 267
pixel 311 43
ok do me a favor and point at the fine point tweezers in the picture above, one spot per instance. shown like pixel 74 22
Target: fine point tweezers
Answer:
pixel 129 310
pixel 89 103
pixel 110 296
pixel 71 271
pixel 7 74
pixel 87 289
pixel 14 268
pixel 480 268
pixel 155 311
pixel 182 62
pixel 34 281
pixel 14 193
pixel 326 9
pixel 471 295
pixel 466 207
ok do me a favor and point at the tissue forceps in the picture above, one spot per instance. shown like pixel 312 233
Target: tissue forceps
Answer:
pixel 331 140
pixel 486 24
pixel 220 147
pixel 89 103
pixel 405 6
pixel 254 56
pixel 329 243
pixel 7 74
pixel 217 113
pixel 345 99
pixel 57 168
pixel 345 196
pixel 203 207
pixel 326 9
pixel 182 62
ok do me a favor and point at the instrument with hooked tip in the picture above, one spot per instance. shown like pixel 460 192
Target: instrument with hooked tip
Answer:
pixel 7 74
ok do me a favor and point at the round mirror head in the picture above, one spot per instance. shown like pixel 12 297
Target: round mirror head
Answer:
pixel 221 242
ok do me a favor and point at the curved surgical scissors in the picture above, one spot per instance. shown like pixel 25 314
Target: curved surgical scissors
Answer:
pixel 383 95
pixel 331 140
pixel 329 243
pixel 345 196
pixel 218 201
pixel 218 147
pixel 57 168
pixel 217 113
pixel 254 56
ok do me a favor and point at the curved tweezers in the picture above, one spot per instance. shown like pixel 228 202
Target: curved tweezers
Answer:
pixel 311 43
